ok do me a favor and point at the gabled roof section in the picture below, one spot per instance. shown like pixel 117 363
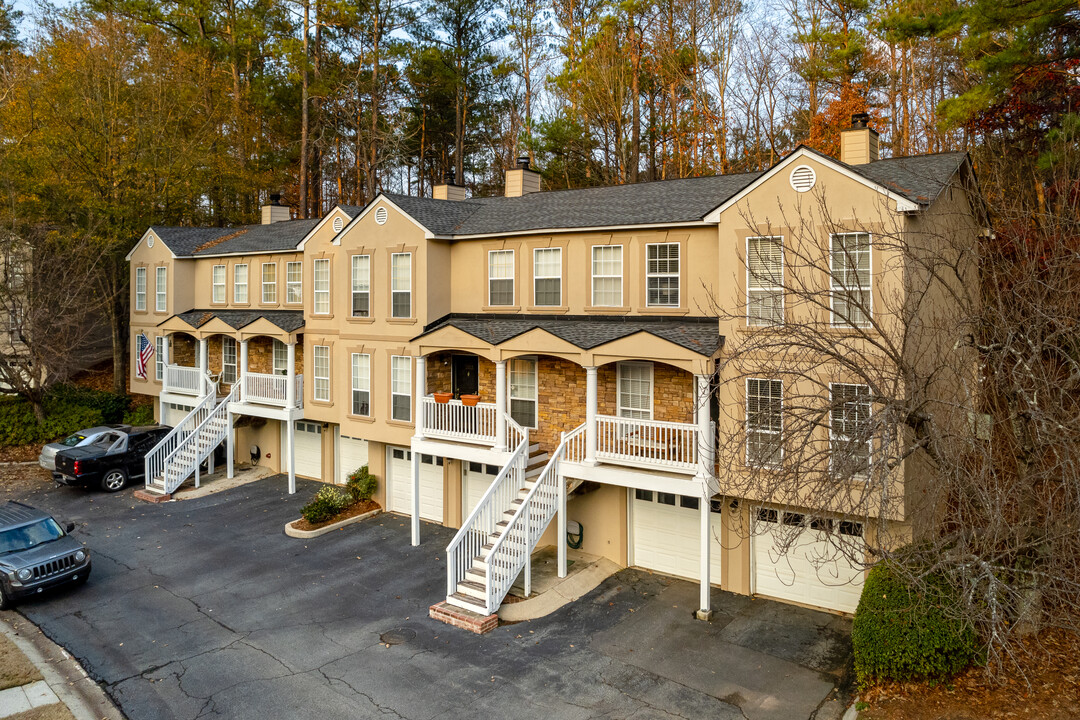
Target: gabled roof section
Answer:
pixel 920 178
pixel 242 240
pixel 287 320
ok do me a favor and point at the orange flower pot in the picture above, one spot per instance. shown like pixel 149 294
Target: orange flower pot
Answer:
pixel 443 397
pixel 470 400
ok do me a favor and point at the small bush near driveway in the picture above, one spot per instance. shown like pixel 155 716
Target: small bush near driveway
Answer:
pixel 361 484
pixel 327 503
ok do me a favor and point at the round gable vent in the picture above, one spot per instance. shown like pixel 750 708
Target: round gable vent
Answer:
pixel 150 241
pixel 338 223
pixel 803 178
pixel 380 216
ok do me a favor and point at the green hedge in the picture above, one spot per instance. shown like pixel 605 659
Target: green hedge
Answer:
pixel 327 503
pixel 67 409
pixel 899 634
pixel 361 484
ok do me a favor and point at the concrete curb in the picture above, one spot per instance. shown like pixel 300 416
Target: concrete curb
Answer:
pixel 307 534
pixel 64 675
pixel 567 591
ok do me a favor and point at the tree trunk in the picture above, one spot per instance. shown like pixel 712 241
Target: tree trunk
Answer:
pixel 304 118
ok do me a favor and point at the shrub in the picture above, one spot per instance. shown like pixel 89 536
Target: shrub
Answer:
pixel 141 415
pixel 361 484
pixel 901 634
pixel 327 503
pixel 112 407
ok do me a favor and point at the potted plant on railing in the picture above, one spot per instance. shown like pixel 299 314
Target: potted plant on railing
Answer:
pixel 443 397
pixel 470 400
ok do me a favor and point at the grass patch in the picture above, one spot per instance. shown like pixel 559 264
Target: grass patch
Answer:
pixel 15 668
pixel 56 711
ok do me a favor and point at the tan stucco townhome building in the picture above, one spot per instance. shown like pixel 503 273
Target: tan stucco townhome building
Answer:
pixel 584 321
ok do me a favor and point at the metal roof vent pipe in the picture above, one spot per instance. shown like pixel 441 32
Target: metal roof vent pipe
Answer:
pixel 448 190
pixel 522 180
pixel 275 211
pixel 859 143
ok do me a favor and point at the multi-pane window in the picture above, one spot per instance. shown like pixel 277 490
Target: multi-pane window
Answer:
pixel 662 274
pixel 764 281
pixel 228 360
pixel 849 261
pixel 269 282
pixel 161 289
pixel 361 384
pixel 523 396
pixel 217 282
pixel 322 286
pixel 159 357
pixel 501 277
pixel 294 282
pixel 322 372
pixel 849 417
pixel 140 288
pixel 401 285
pixel 764 421
pixel 361 286
pixel 607 262
pixel 635 381
pixel 401 388
pixel 240 283
pixel 281 358
pixel 547 276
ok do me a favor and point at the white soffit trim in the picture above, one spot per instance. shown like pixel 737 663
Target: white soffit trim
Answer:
pixel 902 203
pixel 326 218
pixel 157 238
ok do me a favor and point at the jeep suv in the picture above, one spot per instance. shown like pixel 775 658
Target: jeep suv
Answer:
pixel 36 553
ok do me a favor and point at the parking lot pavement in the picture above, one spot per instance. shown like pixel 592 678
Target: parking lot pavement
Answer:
pixel 204 608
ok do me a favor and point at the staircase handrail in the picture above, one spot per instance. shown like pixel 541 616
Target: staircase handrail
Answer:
pixel 220 409
pixel 156 451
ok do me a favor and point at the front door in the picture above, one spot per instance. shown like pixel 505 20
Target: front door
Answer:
pixel 465 371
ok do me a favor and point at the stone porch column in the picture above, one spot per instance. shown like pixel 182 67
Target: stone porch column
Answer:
pixel 500 405
pixel 590 415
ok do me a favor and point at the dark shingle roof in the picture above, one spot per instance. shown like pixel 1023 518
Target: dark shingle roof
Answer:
pixel 275 237
pixel 287 320
pixel 920 178
pixel 699 334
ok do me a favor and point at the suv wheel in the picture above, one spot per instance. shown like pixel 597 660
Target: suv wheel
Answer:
pixel 114 480
pixel 5 601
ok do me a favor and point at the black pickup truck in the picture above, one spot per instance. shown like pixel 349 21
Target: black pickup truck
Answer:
pixel 110 464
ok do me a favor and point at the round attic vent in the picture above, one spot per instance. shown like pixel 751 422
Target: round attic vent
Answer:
pixel 380 216
pixel 803 178
pixel 150 241
pixel 338 223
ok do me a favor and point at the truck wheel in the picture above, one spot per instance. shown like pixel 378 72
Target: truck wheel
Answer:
pixel 114 480
pixel 5 601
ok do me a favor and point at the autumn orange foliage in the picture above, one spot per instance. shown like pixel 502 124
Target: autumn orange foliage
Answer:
pixel 825 127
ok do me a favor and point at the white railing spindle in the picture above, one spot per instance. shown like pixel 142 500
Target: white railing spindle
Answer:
pixel 666 445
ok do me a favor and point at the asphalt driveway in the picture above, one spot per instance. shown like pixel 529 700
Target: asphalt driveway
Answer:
pixel 204 608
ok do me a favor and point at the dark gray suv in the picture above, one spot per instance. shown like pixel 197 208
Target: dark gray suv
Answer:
pixel 36 553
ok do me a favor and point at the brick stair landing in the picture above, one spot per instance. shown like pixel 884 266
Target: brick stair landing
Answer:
pixel 153 497
pixel 462 618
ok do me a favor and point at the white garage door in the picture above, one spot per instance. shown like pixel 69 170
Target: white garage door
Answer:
pixel 813 571
pixel 476 479
pixel 308 444
pixel 353 454
pixel 667 534
pixel 431 484
pixel 171 414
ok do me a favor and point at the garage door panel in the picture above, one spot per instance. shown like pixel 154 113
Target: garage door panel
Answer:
pixel 354 454
pixel 476 479
pixel 307 441
pixel 667 538
pixel 431 484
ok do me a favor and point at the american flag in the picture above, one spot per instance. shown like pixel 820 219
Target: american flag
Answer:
pixel 144 350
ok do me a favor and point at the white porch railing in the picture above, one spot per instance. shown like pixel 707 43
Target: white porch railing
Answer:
pixel 197 445
pixel 266 389
pixel 154 462
pixel 183 380
pixel 455 421
pixel 663 445
pixel 575 445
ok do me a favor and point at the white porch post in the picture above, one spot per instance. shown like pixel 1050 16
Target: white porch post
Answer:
pixel 561 528
pixel 500 406
pixel 290 377
pixel 290 433
pixel 415 498
pixel 204 365
pixel 230 445
pixel 590 415
pixel 421 391
pixel 705 439
pixel 243 368
pixel 705 610
pixel 165 363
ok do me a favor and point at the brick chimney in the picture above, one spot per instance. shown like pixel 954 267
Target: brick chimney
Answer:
pixel 275 211
pixel 859 143
pixel 448 190
pixel 522 180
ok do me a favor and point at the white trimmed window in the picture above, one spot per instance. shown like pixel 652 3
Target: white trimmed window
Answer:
pixel 217 282
pixel 849 425
pixel 500 277
pixel 140 288
pixel 281 358
pixel 361 286
pixel 401 285
pixel 322 286
pixel 228 360
pixel 401 387
pixel 662 275
pixel 764 281
pixel 849 263
pixel 161 289
pixel 361 384
pixel 321 365
pixel 764 422
pixel 523 391
pixel 294 282
pixel 159 357
pixel 269 282
pixel 240 283
pixel 635 381
pixel 607 270
pixel 547 277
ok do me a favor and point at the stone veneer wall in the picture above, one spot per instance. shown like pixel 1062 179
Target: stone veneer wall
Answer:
pixel 182 348
pixel 260 354
pixel 440 376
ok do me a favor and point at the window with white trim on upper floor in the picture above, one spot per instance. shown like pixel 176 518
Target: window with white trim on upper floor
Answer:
pixel 140 289
pixel 635 383
pixel 662 274
pixel 269 282
pixel 523 391
pixel 228 360
pixel 500 277
pixel 321 366
pixel 361 384
pixel 159 357
pixel 401 285
pixel 607 275
pixel 850 279
pixel 281 358
pixel 294 282
pixel 401 387
pixel 161 288
pixel 547 277
pixel 217 284
pixel 764 281
pixel 321 273
pixel 240 283
pixel 849 430
pixel 361 286
pixel 764 422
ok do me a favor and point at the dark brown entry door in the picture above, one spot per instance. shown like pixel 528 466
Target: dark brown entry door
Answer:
pixel 465 371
